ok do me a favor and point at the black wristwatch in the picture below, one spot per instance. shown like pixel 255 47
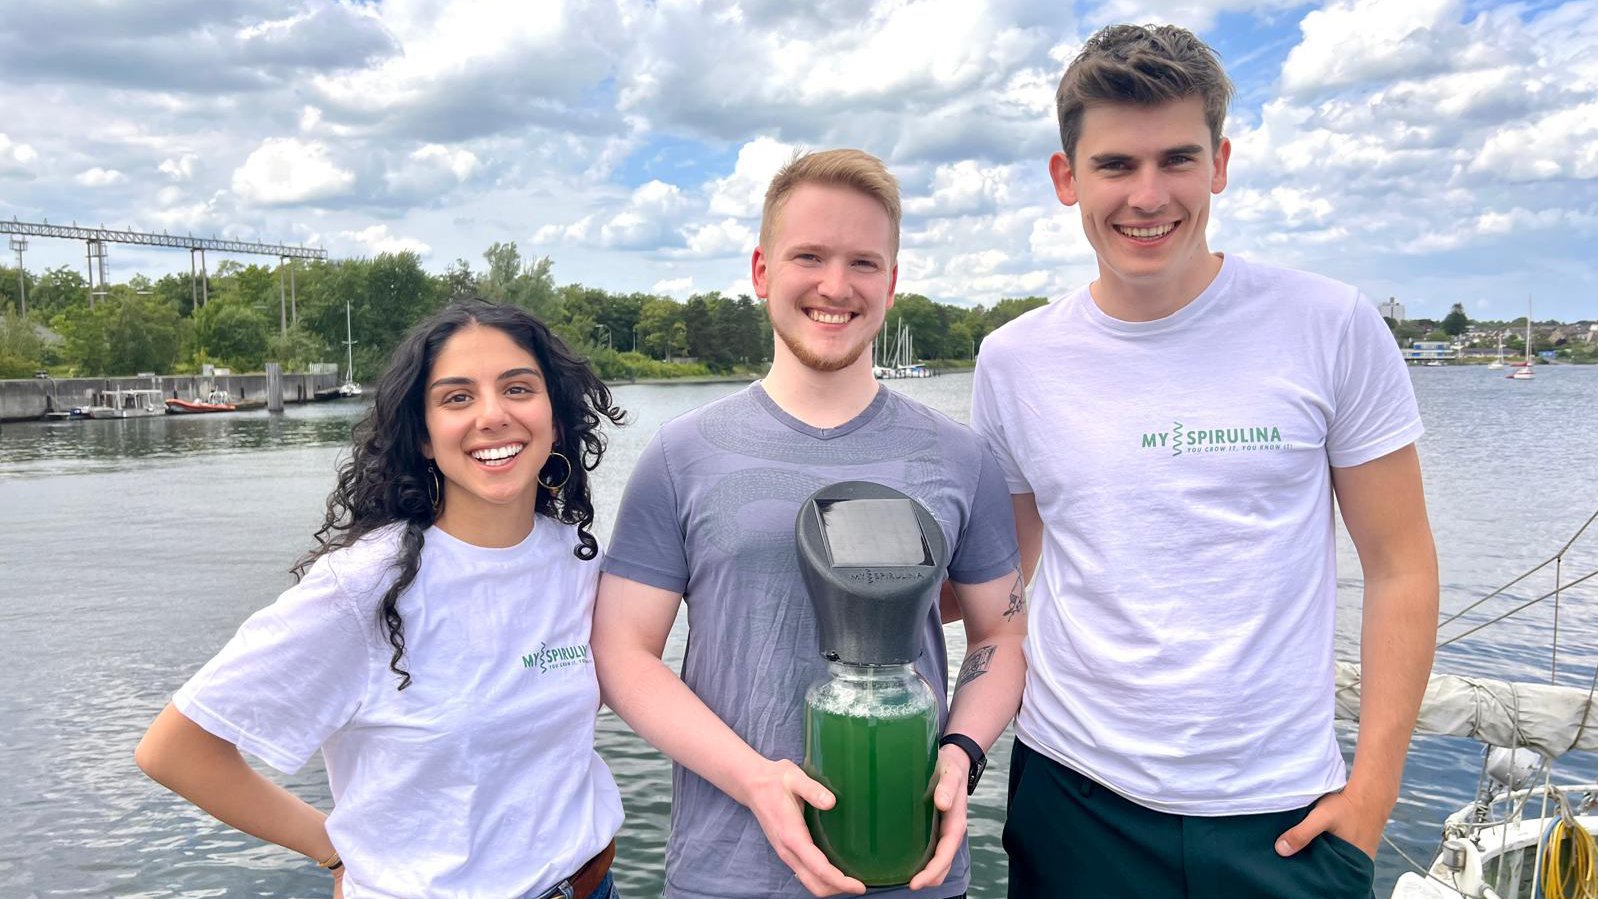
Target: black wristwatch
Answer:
pixel 979 759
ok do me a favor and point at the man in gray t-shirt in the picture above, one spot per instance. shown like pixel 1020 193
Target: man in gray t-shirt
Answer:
pixel 708 517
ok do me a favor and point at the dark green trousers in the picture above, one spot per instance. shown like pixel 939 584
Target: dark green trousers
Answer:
pixel 1068 836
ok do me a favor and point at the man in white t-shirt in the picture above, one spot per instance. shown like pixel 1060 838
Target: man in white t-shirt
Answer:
pixel 1173 435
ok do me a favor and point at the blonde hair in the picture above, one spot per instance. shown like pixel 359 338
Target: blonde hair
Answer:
pixel 854 169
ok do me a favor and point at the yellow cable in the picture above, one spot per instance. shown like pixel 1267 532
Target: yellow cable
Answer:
pixel 1570 862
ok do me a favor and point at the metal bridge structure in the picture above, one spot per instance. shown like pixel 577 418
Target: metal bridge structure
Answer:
pixel 95 239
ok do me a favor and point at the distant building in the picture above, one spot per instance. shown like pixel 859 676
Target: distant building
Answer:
pixel 1430 351
pixel 1392 309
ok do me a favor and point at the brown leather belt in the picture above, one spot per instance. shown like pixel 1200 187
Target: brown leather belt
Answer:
pixel 587 878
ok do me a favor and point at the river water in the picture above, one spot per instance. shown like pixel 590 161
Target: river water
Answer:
pixel 131 550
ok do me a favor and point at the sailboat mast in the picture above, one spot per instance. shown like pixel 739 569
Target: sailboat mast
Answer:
pixel 349 345
pixel 1528 329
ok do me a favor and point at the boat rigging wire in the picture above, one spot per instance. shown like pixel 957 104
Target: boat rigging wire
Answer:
pixel 1515 611
pixel 1550 560
pixel 1567 865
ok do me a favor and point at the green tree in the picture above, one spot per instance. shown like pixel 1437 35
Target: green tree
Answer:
pixel 1009 309
pixel 58 290
pixel 656 326
pixel 21 350
pixel 231 332
pixel 458 282
pixel 297 349
pixel 1456 322
pixel 530 286
pixel 177 290
pixel 10 290
pixel 704 332
pixel 398 295
pixel 253 285
pixel 141 333
pixel 83 338
pixel 750 330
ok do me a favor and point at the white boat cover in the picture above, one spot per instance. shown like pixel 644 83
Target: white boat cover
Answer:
pixel 1547 719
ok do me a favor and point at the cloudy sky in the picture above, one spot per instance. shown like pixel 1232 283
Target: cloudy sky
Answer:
pixel 1438 151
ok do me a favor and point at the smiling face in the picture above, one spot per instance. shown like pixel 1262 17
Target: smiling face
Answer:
pixel 1143 177
pixel 490 428
pixel 828 275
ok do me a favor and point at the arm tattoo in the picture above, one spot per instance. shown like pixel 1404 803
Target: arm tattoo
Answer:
pixel 976 665
pixel 1017 598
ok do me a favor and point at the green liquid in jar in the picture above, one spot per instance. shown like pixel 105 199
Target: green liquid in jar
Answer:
pixel 880 769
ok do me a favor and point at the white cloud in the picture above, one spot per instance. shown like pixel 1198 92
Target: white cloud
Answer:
pixel 477 67
pixel 1344 45
pixel 838 75
pixel 1562 144
pixel 98 177
pixel 1058 238
pixel 286 171
pixel 462 163
pixel 675 287
pixel 651 215
pixel 963 188
pixel 377 239
pixel 430 172
pixel 1281 205
pixel 180 168
pixel 1196 15
pixel 173 212
pixel 728 237
pixel 742 193
pixel 15 156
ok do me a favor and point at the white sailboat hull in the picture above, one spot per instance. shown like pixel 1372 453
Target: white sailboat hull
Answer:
pixel 1496 858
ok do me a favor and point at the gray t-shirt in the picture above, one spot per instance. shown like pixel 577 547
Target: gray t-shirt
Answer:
pixel 709 512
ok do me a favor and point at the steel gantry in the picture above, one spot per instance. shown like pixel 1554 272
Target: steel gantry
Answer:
pixel 97 238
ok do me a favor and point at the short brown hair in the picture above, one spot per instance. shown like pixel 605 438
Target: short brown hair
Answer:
pixel 1144 65
pixel 855 169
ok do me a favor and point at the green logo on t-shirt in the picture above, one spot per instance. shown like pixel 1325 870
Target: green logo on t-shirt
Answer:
pixel 1181 439
pixel 547 658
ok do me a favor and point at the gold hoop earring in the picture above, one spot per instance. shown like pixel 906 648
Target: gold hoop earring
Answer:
pixel 438 490
pixel 555 488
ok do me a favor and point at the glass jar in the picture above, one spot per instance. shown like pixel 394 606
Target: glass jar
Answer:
pixel 871 737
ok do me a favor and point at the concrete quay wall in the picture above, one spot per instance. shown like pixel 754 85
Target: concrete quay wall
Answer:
pixel 24 399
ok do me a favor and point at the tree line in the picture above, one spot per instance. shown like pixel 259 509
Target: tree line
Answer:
pixel 146 325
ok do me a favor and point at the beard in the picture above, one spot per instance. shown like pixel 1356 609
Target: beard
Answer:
pixel 815 362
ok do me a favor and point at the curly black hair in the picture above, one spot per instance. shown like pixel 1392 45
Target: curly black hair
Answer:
pixel 387 480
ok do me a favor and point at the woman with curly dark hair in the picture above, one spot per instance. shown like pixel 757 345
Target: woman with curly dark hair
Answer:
pixel 435 646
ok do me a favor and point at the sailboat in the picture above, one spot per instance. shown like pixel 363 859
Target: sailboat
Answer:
pixel 1499 362
pixel 902 364
pixel 350 387
pixel 1523 372
pixel 1528 832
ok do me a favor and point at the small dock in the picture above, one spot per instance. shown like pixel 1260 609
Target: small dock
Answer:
pixel 28 399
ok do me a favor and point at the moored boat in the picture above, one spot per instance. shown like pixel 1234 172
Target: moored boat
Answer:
pixel 122 403
pixel 1528 834
pixel 215 401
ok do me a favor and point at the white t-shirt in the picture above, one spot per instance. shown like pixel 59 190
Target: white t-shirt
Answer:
pixel 1180 640
pixel 479 779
